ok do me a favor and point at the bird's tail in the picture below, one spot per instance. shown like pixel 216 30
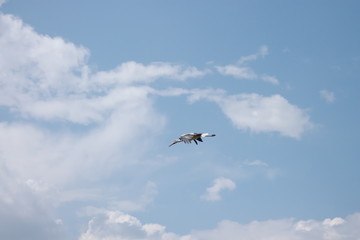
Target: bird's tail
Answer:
pixel 207 135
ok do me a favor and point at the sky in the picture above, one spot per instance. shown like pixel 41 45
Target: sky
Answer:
pixel 93 92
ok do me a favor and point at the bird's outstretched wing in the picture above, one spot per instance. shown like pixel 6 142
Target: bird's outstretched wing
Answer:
pixel 175 142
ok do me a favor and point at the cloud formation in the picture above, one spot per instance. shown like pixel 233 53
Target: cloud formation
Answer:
pixel 69 119
pixel 219 184
pixel 116 225
pixel 258 113
pixel 286 229
pixel 66 122
pixel 241 71
pixel 46 80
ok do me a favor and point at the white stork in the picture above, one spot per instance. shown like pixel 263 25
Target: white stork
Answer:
pixel 188 137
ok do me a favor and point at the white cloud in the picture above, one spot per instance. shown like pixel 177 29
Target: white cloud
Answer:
pixel 237 71
pixel 258 113
pixel 285 229
pixel 71 127
pixel 327 95
pixel 51 163
pixel 240 71
pixel 270 79
pixel 219 184
pixel 116 225
pixel 130 72
pixel 63 87
pixel 262 52
pixel 62 90
pixel 34 153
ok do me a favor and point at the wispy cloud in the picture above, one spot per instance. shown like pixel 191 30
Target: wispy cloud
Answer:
pixel 237 71
pixel 328 96
pixel 133 72
pixel 262 52
pixel 219 184
pixel 256 163
pixel 269 172
pixel 241 71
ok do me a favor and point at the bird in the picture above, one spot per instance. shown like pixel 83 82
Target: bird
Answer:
pixel 188 137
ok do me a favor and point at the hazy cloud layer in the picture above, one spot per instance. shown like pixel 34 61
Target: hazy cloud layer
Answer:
pixel 25 212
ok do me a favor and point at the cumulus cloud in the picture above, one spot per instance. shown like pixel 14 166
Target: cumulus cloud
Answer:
pixel 219 184
pixel 286 229
pixel 117 225
pixel 241 71
pixel 48 78
pixel 258 113
pixel 328 96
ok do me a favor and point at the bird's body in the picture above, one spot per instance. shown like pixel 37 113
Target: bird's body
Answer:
pixel 188 137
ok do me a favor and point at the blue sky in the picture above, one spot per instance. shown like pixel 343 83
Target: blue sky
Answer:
pixel 93 92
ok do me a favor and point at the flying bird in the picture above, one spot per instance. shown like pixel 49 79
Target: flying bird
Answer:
pixel 188 137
